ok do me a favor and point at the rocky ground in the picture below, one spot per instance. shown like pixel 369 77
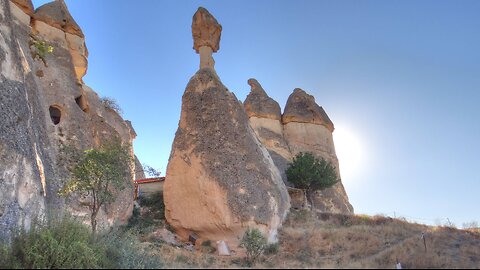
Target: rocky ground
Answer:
pixel 324 241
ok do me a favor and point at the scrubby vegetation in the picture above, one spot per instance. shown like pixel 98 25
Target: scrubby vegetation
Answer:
pixel 96 173
pixel 307 240
pixel 311 174
pixel 67 243
pixel 112 104
pixel 39 48
pixel 254 243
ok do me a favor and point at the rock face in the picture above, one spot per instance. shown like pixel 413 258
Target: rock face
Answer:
pixel 220 179
pixel 44 107
pixel 307 128
pixel 265 118
pixel 303 127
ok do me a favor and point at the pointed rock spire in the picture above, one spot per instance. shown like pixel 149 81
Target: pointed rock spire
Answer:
pixel 259 104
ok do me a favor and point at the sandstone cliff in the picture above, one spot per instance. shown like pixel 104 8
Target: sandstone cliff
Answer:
pixel 45 106
pixel 220 179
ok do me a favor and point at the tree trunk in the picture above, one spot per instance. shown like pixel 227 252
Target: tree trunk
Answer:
pixel 309 194
pixel 93 220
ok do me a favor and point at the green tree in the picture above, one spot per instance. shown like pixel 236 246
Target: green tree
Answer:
pixel 254 242
pixel 98 173
pixel 311 174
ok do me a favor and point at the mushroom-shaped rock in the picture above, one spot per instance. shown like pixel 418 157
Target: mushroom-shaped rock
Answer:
pixel 307 128
pixel 56 14
pixel 206 30
pixel 25 5
pixel 259 104
pixel 301 108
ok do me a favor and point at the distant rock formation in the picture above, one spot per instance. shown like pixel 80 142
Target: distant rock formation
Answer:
pixel 303 127
pixel 265 118
pixel 44 107
pixel 220 179
pixel 307 128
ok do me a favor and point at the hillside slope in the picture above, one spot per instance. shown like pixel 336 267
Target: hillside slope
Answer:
pixel 341 241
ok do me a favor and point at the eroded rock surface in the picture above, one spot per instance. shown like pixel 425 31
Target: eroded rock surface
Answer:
pixel 56 14
pixel 301 108
pixel 307 128
pixel 45 107
pixel 265 119
pixel 206 30
pixel 25 5
pixel 220 179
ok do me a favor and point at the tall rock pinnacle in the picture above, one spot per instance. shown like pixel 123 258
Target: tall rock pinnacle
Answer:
pixel 220 179
pixel 206 33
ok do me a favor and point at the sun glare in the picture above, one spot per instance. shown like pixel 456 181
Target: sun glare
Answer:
pixel 350 152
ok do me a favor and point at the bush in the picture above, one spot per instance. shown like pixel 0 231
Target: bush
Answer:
pixel 63 244
pixel 271 249
pixel 254 242
pixel 112 104
pixel 310 174
pixel 67 243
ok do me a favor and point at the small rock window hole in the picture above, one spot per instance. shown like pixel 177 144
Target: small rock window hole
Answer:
pixel 55 114
pixel 82 103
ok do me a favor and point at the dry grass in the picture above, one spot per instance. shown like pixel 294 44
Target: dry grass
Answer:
pixel 338 241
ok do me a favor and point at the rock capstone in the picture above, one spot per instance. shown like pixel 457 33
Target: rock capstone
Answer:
pixel 206 30
pixel 56 14
pixel 301 108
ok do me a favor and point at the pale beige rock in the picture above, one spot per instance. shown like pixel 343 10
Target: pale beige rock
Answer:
pixel 79 53
pixel 259 104
pixel 31 159
pixel 220 179
pixel 20 14
pixel 54 36
pixel 206 59
pixel 206 30
pixel 307 128
pixel 25 5
pixel 264 117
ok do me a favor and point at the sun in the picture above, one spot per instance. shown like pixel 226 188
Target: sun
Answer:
pixel 350 152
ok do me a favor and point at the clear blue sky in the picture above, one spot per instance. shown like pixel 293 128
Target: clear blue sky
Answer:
pixel 402 76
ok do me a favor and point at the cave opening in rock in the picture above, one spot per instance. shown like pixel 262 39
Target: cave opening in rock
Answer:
pixel 82 103
pixel 55 114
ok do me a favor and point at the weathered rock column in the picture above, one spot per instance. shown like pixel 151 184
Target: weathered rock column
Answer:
pixel 220 179
pixel 307 128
